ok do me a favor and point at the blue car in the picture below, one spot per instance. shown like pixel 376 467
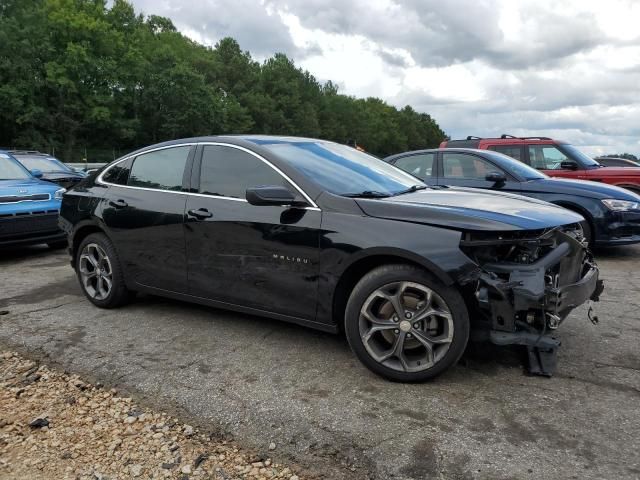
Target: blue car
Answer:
pixel 29 207
pixel 612 214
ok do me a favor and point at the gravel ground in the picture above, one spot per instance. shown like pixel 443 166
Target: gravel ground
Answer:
pixel 256 381
pixel 55 425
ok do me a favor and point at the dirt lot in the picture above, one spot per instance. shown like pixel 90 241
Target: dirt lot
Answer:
pixel 259 382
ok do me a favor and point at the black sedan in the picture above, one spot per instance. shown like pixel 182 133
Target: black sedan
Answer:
pixel 612 214
pixel 617 162
pixel 49 168
pixel 320 234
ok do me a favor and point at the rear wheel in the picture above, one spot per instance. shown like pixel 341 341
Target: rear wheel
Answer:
pixel 404 324
pixel 100 273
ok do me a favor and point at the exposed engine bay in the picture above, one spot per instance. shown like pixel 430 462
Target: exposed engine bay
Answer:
pixel 528 284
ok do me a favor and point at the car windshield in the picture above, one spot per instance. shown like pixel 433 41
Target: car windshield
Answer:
pixel 579 156
pixel 45 164
pixel 515 167
pixel 11 170
pixel 343 170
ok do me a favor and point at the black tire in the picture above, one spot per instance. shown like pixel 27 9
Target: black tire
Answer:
pixel 118 294
pixel 587 232
pixel 57 245
pixel 383 276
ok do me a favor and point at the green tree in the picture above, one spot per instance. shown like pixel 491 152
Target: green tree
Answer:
pixel 78 74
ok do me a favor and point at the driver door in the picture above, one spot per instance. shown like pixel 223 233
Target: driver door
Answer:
pixel 262 257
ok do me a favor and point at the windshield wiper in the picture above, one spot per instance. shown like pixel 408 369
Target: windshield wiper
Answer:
pixel 412 188
pixel 366 194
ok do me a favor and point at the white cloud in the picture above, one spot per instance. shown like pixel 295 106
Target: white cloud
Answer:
pixel 566 69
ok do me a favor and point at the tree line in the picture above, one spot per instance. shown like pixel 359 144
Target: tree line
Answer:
pixel 77 74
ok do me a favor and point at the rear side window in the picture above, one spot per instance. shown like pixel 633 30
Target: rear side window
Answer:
pixel 118 174
pixel 462 165
pixel 420 165
pixel 228 172
pixel 161 170
pixel 511 151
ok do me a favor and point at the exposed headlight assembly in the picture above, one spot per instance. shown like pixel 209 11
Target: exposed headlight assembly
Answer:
pixel 59 193
pixel 619 205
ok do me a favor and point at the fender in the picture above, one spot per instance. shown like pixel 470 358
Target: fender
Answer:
pixel 443 276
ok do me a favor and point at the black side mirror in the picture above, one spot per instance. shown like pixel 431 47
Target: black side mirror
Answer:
pixel 568 165
pixel 496 177
pixel 270 195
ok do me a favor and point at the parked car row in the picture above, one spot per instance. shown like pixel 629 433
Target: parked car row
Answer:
pixel 611 214
pixel 409 255
pixel 321 234
pixel 554 158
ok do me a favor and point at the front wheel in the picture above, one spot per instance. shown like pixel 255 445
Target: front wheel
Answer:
pixel 99 272
pixel 404 324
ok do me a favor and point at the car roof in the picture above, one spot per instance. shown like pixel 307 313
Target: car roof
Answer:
pixel 473 142
pixel 477 151
pixel 239 139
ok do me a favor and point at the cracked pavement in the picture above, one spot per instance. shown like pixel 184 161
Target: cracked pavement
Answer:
pixel 260 381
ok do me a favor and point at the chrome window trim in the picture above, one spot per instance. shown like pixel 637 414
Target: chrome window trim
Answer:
pixel 101 181
pixel 27 200
pixel 264 160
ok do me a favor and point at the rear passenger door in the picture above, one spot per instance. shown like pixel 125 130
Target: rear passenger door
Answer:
pixel 421 165
pixel 144 210
pixel 469 170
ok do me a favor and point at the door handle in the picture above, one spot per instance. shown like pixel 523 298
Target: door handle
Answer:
pixel 200 213
pixel 118 204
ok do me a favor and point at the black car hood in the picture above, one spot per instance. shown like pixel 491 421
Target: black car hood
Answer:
pixel 581 188
pixel 469 209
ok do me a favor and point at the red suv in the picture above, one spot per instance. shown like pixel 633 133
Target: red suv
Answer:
pixel 553 157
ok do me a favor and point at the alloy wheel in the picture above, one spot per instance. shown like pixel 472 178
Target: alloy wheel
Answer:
pixel 406 326
pixel 96 273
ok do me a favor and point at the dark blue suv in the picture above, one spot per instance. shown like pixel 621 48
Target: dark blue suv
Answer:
pixel 29 207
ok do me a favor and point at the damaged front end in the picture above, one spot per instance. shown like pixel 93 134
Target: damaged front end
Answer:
pixel 528 283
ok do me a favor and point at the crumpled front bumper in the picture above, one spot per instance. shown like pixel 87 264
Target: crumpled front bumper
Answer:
pixel 589 287
pixel 526 302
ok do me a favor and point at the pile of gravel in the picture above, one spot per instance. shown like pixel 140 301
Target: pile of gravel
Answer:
pixel 54 425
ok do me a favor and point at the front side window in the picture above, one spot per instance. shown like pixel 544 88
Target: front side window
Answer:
pixel 420 165
pixel 510 151
pixel 462 165
pixel 11 170
pixel 161 170
pixel 229 172
pixel 546 157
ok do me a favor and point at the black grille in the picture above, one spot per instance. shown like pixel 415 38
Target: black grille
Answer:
pixel 17 225
pixel 24 198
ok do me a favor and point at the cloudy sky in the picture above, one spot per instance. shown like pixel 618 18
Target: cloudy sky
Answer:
pixel 568 70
